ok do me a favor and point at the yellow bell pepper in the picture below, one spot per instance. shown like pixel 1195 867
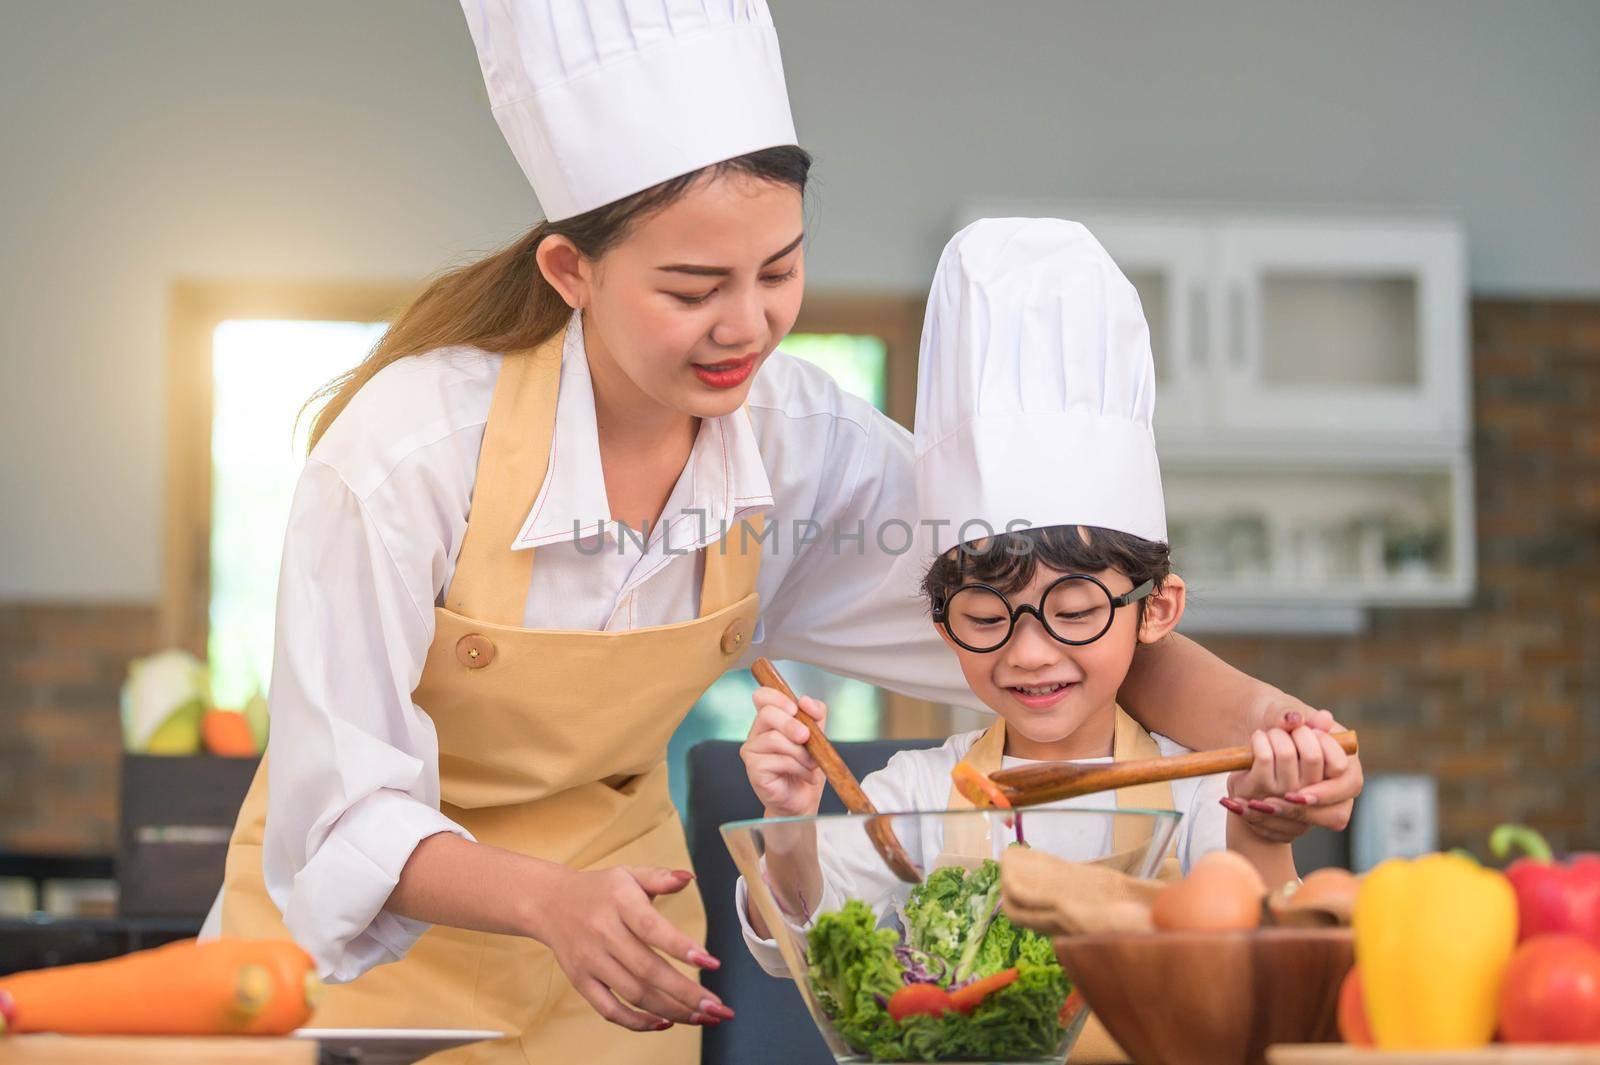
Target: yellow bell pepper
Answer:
pixel 1433 938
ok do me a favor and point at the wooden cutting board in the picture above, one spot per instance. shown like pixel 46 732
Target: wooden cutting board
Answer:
pixel 1339 1054
pixel 306 1046
pixel 154 1050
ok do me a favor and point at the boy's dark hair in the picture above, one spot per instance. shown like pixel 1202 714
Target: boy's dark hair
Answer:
pixel 1007 561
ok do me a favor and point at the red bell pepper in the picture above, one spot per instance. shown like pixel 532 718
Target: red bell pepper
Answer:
pixel 1551 897
pixel 1552 992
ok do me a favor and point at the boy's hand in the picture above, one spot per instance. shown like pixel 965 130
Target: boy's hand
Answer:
pixel 1271 795
pixel 1323 804
pixel 782 772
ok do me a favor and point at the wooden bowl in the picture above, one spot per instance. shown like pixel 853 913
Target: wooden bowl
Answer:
pixel 1200 998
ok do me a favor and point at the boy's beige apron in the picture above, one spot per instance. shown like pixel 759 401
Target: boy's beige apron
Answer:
pixel 968 838
pixel 552 744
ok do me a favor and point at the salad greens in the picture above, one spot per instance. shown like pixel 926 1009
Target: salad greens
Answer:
pixel 954 934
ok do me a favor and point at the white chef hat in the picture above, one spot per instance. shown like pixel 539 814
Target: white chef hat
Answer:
pixel 1035 388
pixel 600 99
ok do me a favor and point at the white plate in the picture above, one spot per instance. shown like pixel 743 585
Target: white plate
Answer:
pixel 387 1046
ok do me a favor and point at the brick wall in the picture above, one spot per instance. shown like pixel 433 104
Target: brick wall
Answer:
pixel 1500 701
pixel 61 668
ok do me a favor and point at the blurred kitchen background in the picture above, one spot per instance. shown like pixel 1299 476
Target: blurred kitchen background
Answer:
pixel 1366 236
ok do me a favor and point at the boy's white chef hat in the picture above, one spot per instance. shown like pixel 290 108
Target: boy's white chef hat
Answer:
pixel 600 99
pixel 1035 388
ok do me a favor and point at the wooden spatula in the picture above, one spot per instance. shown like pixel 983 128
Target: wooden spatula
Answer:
pixel 879 830
pixel 1031 785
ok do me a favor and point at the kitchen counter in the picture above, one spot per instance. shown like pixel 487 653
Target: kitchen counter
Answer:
pixel 41 941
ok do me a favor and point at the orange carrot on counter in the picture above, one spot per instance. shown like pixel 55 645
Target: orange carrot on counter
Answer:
pixel 221 987
pixel 295 986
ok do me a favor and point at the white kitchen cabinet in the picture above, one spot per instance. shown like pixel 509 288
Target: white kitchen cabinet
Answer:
pixel 1169 262
pixel 1296 329
pixel 1388 530
pixel 1313 411
pixel 1337 328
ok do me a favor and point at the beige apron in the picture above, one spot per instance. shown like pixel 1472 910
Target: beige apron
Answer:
pixel 551 744
pixel 967 839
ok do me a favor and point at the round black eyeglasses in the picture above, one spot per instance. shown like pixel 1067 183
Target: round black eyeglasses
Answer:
pixel 1077 609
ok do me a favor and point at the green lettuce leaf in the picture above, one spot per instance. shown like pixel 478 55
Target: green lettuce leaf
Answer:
pixel 853 966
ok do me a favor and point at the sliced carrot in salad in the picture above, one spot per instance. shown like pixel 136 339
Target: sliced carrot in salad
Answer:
pixel 931 999
pixel 915 999
pixel 1073 1006
pixel 967 999
pixel 977 788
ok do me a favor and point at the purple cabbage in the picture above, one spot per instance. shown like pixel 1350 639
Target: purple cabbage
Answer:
pixel 777 897
pixel 919 967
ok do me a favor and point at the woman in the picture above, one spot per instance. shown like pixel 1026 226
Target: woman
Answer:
pixel 481 655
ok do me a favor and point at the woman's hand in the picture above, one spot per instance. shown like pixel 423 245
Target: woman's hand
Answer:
pixel 599 923
pixel 782 772
pixel 1321 802
pixel 1288 766
pixel 609 940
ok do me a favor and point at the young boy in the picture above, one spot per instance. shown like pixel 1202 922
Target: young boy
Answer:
pixel 1037 475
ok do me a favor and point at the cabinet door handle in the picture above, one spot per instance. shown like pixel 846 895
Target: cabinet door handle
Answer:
pixel 1199 329
pixel 1239 340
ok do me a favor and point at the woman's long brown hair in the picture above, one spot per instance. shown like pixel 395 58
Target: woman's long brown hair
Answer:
pixel 503 303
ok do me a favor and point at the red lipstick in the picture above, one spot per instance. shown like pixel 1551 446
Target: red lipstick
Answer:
pixel 730 374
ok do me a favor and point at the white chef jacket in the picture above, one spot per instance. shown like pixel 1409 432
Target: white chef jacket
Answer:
pixel 376 525
pixel 920 780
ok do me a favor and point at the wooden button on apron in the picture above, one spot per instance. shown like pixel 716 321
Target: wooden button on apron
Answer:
pixel 733 637
pixel 474 651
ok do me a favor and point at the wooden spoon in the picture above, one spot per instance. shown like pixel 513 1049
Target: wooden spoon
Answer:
pixel 879 830
pixel 1031 785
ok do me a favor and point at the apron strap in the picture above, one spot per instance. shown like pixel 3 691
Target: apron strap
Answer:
pixel 491 580
pixel 731 565
pixel 968 837
pixel 1130 742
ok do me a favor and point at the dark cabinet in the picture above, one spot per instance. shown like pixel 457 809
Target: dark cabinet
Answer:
pixel 177 815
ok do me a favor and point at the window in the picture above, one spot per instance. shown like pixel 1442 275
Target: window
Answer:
pixel 262 372
pixel 242 361
pixel 858 362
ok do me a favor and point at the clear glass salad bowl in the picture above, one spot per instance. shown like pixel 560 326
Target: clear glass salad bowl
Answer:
pixel 914 962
